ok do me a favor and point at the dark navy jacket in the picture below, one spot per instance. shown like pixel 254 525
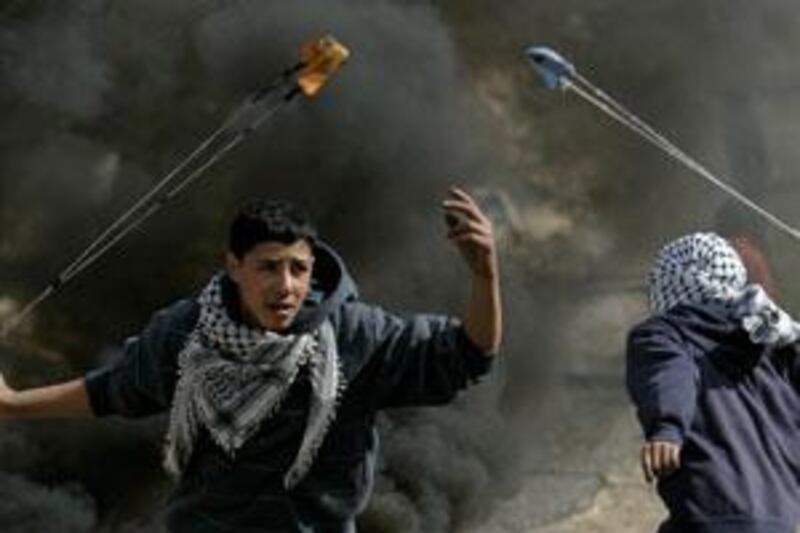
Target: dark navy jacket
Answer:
pixel 387 362
pixel 696 379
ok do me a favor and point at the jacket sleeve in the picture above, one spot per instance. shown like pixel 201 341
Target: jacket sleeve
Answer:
pixel 662 380
pixel 140 381
pixel 419 360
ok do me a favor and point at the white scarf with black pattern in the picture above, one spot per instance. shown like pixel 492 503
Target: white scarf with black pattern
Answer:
pixel 233 377
pixel 703 268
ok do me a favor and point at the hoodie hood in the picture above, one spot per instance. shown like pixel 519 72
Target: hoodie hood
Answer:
pixel 718 334
pixel 331 286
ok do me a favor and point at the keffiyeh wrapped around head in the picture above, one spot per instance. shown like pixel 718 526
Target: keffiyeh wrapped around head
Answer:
pixel 704 269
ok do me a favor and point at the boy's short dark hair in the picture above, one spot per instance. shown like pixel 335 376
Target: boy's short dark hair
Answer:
pixel 261 221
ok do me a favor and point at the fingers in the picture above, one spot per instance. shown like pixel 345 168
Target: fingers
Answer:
pixel 471 231
pixel 463 227
pixel 674 458
pixel 647 463
pixel 659 459
pixel 463 212
pixel 460 202
pixel 464 216
pixel 482 245
pixel 459 194
pixel 465 231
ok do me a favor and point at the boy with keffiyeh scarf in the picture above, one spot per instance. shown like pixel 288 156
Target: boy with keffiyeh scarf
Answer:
pixel 273 375
pixel 715 377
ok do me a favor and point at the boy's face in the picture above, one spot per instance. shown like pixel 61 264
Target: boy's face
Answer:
pixel 273 280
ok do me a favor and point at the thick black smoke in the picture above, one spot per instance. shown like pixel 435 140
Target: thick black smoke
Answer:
pixel 136 88
pixel 102 97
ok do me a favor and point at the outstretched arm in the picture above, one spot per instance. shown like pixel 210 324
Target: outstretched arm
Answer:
pixel 471 231
pixel 63 400
pixel 138 383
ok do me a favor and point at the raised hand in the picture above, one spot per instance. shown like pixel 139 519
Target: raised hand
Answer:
pixel 471 230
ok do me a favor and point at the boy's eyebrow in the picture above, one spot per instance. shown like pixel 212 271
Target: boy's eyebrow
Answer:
pixel 273 260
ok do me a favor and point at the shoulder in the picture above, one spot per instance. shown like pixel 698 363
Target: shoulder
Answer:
pixel 674 331
pixel 354 316
pixel 655 326
pixel 179 314
pixel 173 322
pixel 700 329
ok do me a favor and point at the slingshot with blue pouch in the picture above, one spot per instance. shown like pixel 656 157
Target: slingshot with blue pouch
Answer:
pixel 319 60
pixel 558 73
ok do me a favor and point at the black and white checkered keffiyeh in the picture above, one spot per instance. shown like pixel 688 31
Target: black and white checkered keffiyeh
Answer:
pixel 703 268
pixel 232 377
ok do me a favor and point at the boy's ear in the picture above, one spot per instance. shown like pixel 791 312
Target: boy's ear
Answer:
pixel 232 265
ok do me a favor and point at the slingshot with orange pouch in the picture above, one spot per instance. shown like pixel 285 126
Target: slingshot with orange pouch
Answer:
pixel 319 60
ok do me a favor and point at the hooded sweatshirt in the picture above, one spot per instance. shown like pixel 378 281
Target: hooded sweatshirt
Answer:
pixel 387 361
pixel 697 380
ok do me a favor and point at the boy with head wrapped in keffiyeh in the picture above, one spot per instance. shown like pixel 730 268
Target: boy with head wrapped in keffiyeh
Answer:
pixel 715 378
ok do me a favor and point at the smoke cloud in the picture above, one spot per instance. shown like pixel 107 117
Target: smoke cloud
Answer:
pixel 102 98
